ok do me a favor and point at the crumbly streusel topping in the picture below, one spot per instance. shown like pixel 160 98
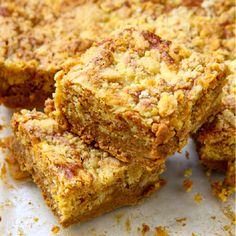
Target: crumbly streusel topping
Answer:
pixel 137 70
pixel 61 30
pixel 203 29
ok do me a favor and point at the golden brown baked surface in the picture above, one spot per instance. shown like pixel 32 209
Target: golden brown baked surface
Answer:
pixel 38 37
pixel 216 138
pixel 34 46
pixel 78 181
pixel 208 28
pixel 138 95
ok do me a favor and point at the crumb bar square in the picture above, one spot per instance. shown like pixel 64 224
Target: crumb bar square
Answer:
pixel 137 95
pixel 78 181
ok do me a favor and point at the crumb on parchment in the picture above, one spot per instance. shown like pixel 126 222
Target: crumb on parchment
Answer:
pixel 118 217
pixel 1 127
pixel 228 229
pixel 127 225
pixel 187 155
pixel 198 198
pixel 55 229
pixel 145 228
pixel 160 231
pixel 21 232
pixel 182 220
pixel 188 172
pixel 3 171
pixel 229 213
pixel 187 185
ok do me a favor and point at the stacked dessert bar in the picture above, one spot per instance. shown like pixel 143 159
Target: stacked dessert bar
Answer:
pixel 128 95
pixel 78 181
pixel 125 98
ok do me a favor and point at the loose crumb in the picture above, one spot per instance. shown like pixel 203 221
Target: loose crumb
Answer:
pixel 127 225
pixel 227 228
pixel 160 231
pixel 188 173
pixel 7 203
pixel 145 229
pixel 213 217
pixel 21 232
pixel 3 171
pixel 118 217
pixel 3 118
pixel 3 176
pixel 1 127
pixel 187 155
pixel 198 198
pixel 36 219
pixel 193 234
pixel 55 229
pixel 187 185
pixel 93 230
pixel 182 221
pixel 229 214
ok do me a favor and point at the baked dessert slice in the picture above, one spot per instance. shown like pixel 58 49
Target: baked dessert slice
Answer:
pixel 78 181
pixel 35 46
pixel 138 96
pixel 216 139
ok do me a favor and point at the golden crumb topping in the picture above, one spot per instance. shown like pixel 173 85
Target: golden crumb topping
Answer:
pixel 139 71
pixel 226 118
pixel 61 30
pixel 200 28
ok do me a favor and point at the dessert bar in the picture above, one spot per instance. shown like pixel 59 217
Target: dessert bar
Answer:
pixel 78 181
pixel 137 95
